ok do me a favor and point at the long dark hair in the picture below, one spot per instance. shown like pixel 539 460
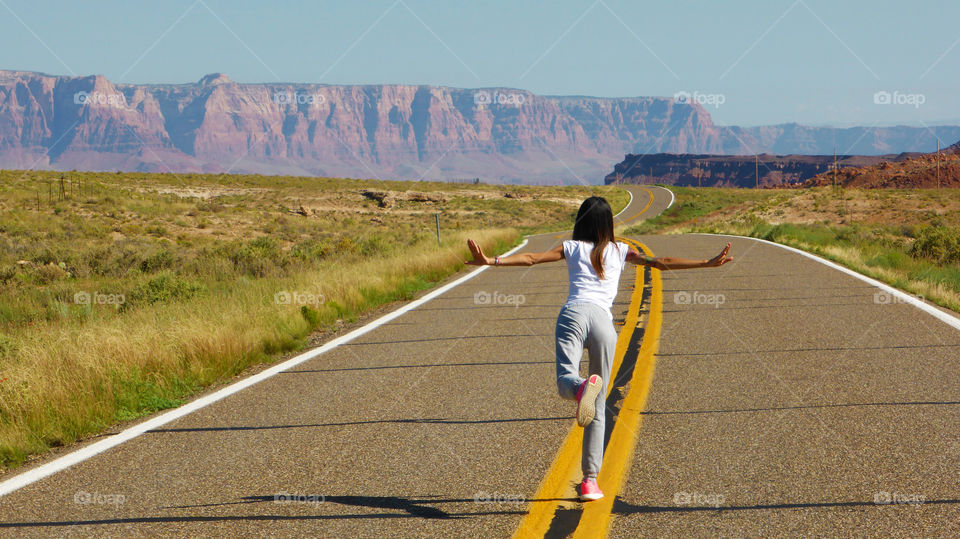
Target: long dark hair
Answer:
pixel 595 224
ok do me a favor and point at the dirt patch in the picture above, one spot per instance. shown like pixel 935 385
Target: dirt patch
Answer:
pixel 203 193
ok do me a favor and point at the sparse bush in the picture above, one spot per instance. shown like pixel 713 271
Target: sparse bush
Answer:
pixel 164 288
pixel 7 273
pixel 158 260
pixel 373 246
pixel 311 315
pixel 7 345
pixel 309 250
pixel 51 273
pixel 157 230
pixel 346 246
pixel 261 257
pixel 939 243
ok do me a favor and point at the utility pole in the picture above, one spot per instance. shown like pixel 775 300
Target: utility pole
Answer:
pixel 757 172
pixel 938 163
pixel 834 167
pixel 438 228
pixel 699 175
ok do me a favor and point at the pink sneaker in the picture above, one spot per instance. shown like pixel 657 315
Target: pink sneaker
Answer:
pixel 587 399
pixel 589 490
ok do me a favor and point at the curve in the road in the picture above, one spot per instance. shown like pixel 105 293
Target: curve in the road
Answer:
pixel 645 211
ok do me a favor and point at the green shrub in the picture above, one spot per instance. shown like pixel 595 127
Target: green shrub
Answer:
pixel 309 250
pixel 50 273
pixel 7 273
pixel 312 316
pixel 7 345
pixel 158 260
pixel 939 243
pixel 346 246
pixel 157 230
pixel 261 257
pixel 164 288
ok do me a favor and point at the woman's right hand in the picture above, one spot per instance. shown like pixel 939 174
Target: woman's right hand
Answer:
pixel 720 259
pixel 479 259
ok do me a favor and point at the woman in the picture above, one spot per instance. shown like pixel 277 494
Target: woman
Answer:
pixel 594 263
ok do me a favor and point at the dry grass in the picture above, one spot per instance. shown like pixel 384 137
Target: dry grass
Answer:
pixel 70 380
pixel 199 261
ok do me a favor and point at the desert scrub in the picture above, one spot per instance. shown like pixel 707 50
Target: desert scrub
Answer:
pixel 70 376
pixel 939 243
pixel 137 290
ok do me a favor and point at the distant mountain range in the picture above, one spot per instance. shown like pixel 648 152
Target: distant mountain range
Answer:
pixel 384 131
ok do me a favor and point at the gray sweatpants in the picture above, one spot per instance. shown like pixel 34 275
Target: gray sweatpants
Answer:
pixel 579 326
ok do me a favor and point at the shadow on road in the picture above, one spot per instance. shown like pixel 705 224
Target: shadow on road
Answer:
pixel 430 365
pixel 803 407
pixel 809 349
pixel 433 421
pixel 454 338
pixel 621 507
pixel 772 306
pixel 421 507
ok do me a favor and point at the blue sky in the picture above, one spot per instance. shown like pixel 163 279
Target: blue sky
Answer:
pixel 753 62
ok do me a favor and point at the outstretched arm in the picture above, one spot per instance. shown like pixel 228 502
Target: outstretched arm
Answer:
pixel 522 259
pixel 672 263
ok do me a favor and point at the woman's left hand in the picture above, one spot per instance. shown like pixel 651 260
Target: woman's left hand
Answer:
pixel 479 259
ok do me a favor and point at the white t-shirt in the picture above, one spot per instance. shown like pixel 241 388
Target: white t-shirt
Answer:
pixel 584 283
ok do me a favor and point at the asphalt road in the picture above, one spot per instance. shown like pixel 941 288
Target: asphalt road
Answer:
pixel 792 405
pixel 799 400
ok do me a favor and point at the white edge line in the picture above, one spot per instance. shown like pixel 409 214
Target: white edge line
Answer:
pixel 672 197
pixel 80 455
pixel 944 317
pixel 627 206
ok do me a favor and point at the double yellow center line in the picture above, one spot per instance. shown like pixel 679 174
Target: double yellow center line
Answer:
pixel 564 472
